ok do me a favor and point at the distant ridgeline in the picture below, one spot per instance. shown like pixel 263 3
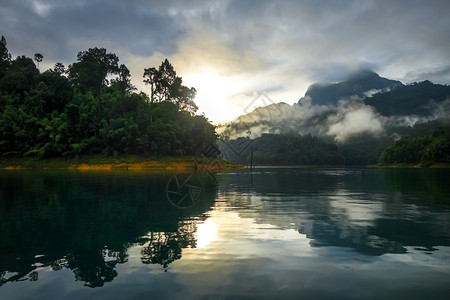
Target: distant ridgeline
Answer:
pixel 353 122
pixel 92 108
pixel 360 84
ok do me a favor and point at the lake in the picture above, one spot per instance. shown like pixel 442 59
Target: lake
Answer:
pixel 291 233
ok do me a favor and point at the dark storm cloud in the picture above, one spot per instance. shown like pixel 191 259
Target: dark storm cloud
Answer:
pixel 432 74
pixel 325 40
pixel 140 26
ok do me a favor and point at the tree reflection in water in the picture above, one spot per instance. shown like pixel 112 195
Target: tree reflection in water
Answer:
pixel 92 267
pixel 164 248
pixel 86 222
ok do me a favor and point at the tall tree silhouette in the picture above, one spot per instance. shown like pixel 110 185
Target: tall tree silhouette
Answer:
pixel 5 56
pixel 59 68
pixel 92 69
pixel 150 77
pixel 167 86
pixel 38 58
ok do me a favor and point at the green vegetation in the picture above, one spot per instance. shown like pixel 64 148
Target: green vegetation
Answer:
pixel 283 149
pixel 91 108
pixel 362 150
pixel 416 98
pixel 424 151
pixel 294 149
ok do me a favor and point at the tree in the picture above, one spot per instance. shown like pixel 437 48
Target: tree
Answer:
pixel 183 96
pixel 90 72
pixel 123 81
pixel 38 58
pixel 151 75
pixel 59 91
pixel 167 86
pixel 92 68
pixel 20 75
pixel 59 68
pixel 166 78
pixel 5 57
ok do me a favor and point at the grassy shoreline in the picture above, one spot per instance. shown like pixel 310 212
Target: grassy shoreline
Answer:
pixel 413 166
pixel 133 162
pixel 87 163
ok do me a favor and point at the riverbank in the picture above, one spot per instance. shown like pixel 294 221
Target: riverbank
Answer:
pixel 101 163
pixel 407 165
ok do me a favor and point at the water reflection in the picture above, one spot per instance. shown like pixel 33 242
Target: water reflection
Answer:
pixel 87 222
pixel 369 210
pixel 164 248
pixel 319 233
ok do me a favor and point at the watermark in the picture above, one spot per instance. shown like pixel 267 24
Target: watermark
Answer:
pixel 261 109
pixel 183 195
pixel 262 101
pixel 186 192
pixel 209 157
pixel 211 151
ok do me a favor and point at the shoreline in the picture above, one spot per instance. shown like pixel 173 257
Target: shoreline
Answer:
pixel 174 163
pixel 412 166
pixel 122 163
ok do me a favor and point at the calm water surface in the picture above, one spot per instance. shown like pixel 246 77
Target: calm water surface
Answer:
pixel 295 233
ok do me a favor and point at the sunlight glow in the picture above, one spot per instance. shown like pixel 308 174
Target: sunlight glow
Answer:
pixel 223 98
pixel 206 233
pixel 213 90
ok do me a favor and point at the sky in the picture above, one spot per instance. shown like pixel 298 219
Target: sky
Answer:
pixel 232 50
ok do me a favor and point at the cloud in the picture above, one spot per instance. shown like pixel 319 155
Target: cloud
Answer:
pixel 350 117
pixel 353 117
pixel 267 44
pixel 439 74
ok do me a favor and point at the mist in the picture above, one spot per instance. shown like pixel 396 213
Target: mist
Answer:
pixel 351 117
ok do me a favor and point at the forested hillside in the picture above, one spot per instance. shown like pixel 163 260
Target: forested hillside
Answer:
pixel 91 107
pixel 423 150
pixel 419 98
pixel 282 149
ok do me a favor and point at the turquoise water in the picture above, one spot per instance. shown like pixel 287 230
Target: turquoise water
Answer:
pixel 299 233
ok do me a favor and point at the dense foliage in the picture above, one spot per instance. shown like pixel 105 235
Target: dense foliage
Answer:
pixel 283 149
pixel 295 149
pixel 423 150
pixel 417 98
pixel 91 108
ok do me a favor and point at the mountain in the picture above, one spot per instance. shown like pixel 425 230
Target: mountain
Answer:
pixel 353 120
pixel 364 105
pixel 360 84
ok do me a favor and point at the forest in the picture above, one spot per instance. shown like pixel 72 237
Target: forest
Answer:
pixel 291 148
pixel 424 150
pixel 282 149
pixel 417 98
pixel 91 107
